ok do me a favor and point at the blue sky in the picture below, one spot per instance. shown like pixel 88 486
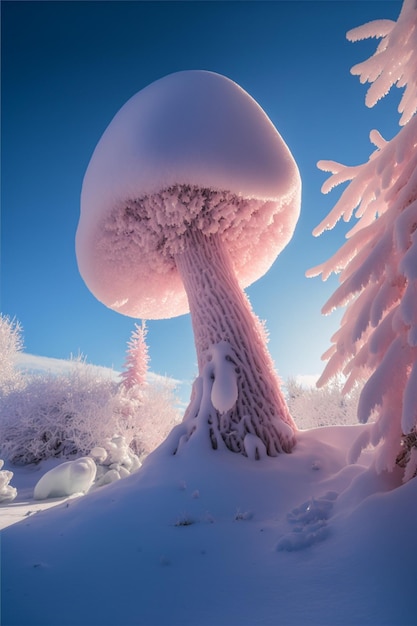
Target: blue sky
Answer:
pixel 67 67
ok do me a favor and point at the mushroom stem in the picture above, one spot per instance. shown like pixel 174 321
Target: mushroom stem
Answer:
pixel 221 312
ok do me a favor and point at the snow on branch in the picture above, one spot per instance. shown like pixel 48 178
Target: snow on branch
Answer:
pixel 376 28
pixel 394 62
pixel 377 266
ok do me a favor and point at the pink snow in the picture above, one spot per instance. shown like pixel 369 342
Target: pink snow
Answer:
pixel 137 358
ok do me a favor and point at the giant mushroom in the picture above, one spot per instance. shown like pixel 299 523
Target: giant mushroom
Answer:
pixel 190 195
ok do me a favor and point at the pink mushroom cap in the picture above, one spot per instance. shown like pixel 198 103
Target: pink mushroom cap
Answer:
pixel 197 134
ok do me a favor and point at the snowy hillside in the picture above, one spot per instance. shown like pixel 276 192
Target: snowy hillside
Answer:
pixel 209 537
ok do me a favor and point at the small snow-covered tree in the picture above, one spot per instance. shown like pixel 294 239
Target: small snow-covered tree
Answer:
pixel 377 340
pixel 137 359
pixel 11 343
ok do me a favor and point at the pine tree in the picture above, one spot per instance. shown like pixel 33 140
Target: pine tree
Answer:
pixel 377 340
pixel 137 359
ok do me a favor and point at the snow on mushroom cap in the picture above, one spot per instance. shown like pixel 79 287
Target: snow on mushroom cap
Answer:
pixel 190 144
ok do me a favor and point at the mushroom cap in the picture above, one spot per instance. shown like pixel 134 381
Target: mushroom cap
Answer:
pixel 192 128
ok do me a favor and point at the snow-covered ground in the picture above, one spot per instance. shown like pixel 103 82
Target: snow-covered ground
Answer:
pixel 211 538
pixel 24 505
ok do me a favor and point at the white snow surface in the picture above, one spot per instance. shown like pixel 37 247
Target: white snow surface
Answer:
pixel 212 538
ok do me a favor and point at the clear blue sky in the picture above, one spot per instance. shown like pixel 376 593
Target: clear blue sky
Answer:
pixel 67 67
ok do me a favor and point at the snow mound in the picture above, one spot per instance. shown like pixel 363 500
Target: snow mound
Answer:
pixel 66 479
pixel 7 492
pixel 114 461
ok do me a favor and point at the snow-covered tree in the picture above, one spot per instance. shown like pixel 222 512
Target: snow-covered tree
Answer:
pixel 137 359
pixel 11 343
pixel 377 340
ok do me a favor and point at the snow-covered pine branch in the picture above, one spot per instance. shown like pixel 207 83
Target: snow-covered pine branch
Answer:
pixel 394 62
pixel 377 339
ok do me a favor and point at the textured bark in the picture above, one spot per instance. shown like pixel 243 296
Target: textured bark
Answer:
pixel 221 312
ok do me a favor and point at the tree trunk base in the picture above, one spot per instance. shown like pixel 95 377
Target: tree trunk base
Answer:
pixel 212 416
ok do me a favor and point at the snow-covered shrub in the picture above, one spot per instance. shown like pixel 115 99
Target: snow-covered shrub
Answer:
pixel 67 415
pixel 158 414
pixel 104 465
pixel 377 340
pixel 328 406
pixel 56 415
pixel 7 492
pixel 115 460
pixel 11 343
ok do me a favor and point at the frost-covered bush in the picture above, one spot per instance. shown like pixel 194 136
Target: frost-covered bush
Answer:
pixel 328 406
pixel 56 415
pixel 67 415
pixel 114 460
pixel 377 340
pixel 11 343
pixel 158 413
